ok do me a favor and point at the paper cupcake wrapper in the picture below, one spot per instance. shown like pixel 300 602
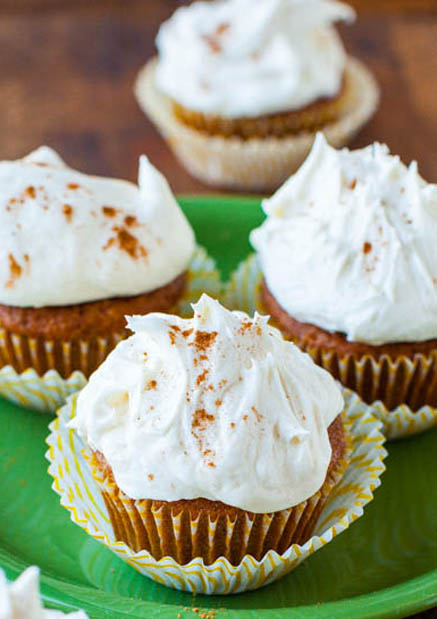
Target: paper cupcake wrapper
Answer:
pixel 81 495
pixel 368 377
pixel 48 392
pixel 149 525
pixel 256 164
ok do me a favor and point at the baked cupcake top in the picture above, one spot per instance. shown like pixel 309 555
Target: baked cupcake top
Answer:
pixel 219 407
pixel 239 58
pixel 67 238
pixel 349 245
pixel 21 600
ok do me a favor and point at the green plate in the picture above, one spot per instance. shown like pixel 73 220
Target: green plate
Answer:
pixel 383 566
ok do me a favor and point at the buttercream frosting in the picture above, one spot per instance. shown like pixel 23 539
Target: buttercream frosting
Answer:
pixel 239 58
pixel 21 599
pixel 349 245
pixel 218 406
pixel 67 237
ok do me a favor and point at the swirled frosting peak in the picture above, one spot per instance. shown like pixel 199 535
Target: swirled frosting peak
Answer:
pixel 21 600
pixel 219 406
pixel 349 245
pixel 67 238
pixel 237 58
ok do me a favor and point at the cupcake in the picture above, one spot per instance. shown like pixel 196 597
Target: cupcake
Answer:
pixel 79 252
pixel 350 270
pixel 254 84
pixel 21 599
pixel 212 436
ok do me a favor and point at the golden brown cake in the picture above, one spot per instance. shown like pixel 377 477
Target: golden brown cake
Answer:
pixel 311 117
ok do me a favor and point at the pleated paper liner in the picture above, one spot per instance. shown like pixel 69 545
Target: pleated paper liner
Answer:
pixel 369 377
pixel 185 533
pixel 81 495
pixel 256 164
pixel 48 392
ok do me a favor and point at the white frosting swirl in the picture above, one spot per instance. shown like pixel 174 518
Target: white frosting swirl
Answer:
pixel 21 600
pixel 214 59
pixel 219 406
pixel 349 245
pixel 66 237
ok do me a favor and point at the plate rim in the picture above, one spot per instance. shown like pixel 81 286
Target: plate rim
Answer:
pixel 401 600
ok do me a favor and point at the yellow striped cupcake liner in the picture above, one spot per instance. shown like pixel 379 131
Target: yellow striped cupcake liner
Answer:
pixel 47 393
pixel 80 494
pixel 243 292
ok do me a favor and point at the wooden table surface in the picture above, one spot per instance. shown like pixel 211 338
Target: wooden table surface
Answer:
pixel 67 69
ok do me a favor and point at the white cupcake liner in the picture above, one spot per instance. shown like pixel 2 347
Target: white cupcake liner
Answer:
pixel 80 494
pixel 243 292
pixel 48 392
pixel 257 164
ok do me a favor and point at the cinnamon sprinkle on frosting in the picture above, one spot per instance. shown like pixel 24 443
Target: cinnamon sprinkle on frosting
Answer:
pixel 109 211
pixel 67 210
pixel 15 271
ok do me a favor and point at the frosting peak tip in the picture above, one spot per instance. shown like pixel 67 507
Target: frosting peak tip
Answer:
pixel 45 155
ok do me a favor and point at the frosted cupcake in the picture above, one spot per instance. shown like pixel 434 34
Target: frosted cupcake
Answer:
pixel 350 270
pixel 77 253
pixel 281 73
pixel 212 437
pixel 21 599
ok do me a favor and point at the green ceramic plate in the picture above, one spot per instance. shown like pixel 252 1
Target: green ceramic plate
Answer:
pixel 383 566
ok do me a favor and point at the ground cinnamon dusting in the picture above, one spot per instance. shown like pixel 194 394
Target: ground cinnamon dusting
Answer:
pixel 213 40
pixel 73 186
pixel 353 184
pixel 199 423
pixel 201 418
pixel 129 243
pixel 246 324
pixel 151 476
pixel 203 340
pixel 109 211
pixel 30 191
pixel 152 384
pixel 202 377
pixel 14 270
pixel 222 28
pixel 130 220
pixel 67 209
pixel 367 247
pixel 174 329
pixel 256 413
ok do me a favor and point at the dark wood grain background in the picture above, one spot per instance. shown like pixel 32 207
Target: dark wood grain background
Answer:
pixel 67 68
